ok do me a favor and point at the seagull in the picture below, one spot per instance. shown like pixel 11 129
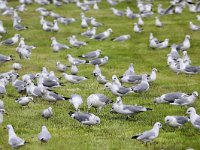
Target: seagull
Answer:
pixel 61 67
pixel 121 38
pixel 17 26
pixel 94 23
pixel 163 44
pixel 85 118
pixel 131 79
pixel 158 23
pixel 24 101
pixel 55 26
pixel 92 54
pixel 73 78
pixel 136 28
pixel 56 46
pixel 99 61
pixel 194 117
pixel 74 69
pixel 95 6
pixel 13 139
pixel 117 12
pixel 76 100
pixel 185 45
pixel 98 101
pixel 169 97
pixel 52 96
pixel 152 77
pixel 149 135
pixel 66 21
pixel 186 59
pixel 102 36
pixel 143 86
pixel 75 61
pixel 16 66
pixel 44 135
pixel 96 71
pixel 2 29
pixel 174 53
pixel 128 110
pixel 176 121
pixel 118 90
pixel 47 113
pixel 4 58
pixel 74 42
pixel 194 27
pixel 186 100
pixel 140 21
pixel 130 70
pixel 115 81
pixel 101 79
pixel 10 41
pixel 89 32
pixel 84 23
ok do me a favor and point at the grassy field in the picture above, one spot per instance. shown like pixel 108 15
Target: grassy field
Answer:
pixel 115 131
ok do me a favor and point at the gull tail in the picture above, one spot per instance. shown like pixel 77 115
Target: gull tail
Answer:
pixel 71 113
pixel 135 137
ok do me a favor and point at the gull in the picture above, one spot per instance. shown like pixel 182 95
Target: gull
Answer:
pixel 73 78
pixel 55 26
pixel 52 96
pixel 56 46
pixel 27 47
pixel 13 140
pixel 136 28
pixel 57 3
pixel 101 79
pixel 66 21
pixel 23 52
pixel 131 79
pixel 186 59
pixel 28 77
pixel 95 6
pixel 2 111
pixel 117 12
pixel 194 27
pixel 170 59
pixel 118 90
pixel 24 101
pixel 98 101
pixel 85 118
pixel 43 11
pixel 130 70
pixel 76 100
pixel 176 121
pixel 163 44
pixel 185 45
pixel 54 15
pixel 33 90
pixel 179 9
pixel 143 86
pixel 74 42
pixel 92 54
pixel 99 61
pixel 1 104
pixel 42 21
pixel 194 117
pixel 21 8
pixel 198 17
pixel 149 135
pixel 121 38
pixel 61 67
pixel 74 69
pixel 47 113
pixel 153 41
pixel 102 36
pixel 84 23
pixel 75 61
pixel 130 14
pixel 10 41
pixel 169 97
pixel 152 77
pixel 186 100
pixel 128 110
pixel 16 66
pixel 140 21
pixel 44 135
pixel 174 53
pixel 89 33
pixel 17 26
pixel 158 23
pixel 87 19
pixel 2 29
pixel 46 26
pixel 94 23
pixel 194 8
pixel 115 81
pixel 4 58
pixel 18 84
pixel 96 71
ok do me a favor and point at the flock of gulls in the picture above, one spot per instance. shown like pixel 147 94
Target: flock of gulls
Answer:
pixel 41 84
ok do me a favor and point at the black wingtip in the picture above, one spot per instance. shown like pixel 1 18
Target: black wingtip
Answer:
pixel 70 113
pixel 134 137
pixel 66 98
pixel 149 108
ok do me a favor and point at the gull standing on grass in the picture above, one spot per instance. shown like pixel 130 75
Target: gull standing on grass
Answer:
pixel 47 113
pixel 2 29
pixel 24 101
pixel 194 117
pixel 121 38
pixel 152 77
pixel 130 70
pixel 158 23
pixel 143 86
pixel 52 96
pixel 98 101
pixel 76 100
pixel 137 28
pixel 44 135
pixel 4 58
pixel 13 140
pixel 96 71
pixel 185 45
pixel 74 69
pixel 89 32
pixel 56 46
pixel 128 110
pixel 11 41
pixel 75 61
pixel 149 135
pixel 99 61
pixel 17 66
pixel 194 27
pixel 176 121
pixel 61 67
pixel 102 36
pixel 73 78
pixel 92 54
pixel 85 118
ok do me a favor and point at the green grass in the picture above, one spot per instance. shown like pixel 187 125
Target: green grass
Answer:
pixel 115 131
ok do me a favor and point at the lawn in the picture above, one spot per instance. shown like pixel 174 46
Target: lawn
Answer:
pixel 114 131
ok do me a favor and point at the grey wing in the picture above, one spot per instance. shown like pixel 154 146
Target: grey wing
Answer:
pixel 102 98
pixel 192 69
pixel 37 91
pixel 16 141
pixel 181 101
pixel 134 78
pixel 77 78
pixel 120 38
pixel 179 46
pixel 82 116
pixel 140 87
pixel 90 55
pixel 2 90
pixel 147 135
pixel 123 90
pixel 8 42
pixel 170 8
pixel 197 121
pixel 56 96
pixel 96 62
pixel 19 83
pixel 99 36
pixel 181 119
pixel 49 83
pixel 134 109
pixel 19 27
pixel 172 96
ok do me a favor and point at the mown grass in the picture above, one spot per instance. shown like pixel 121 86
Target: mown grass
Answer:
pixel 115 131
